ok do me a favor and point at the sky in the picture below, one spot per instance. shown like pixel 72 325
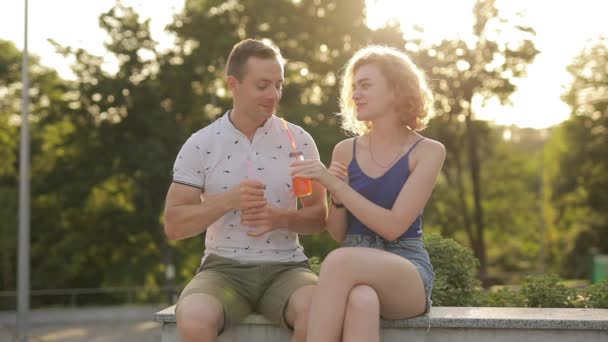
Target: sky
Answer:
pixel 563 27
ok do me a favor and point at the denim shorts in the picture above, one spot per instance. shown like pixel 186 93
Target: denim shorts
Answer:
pixel 411 249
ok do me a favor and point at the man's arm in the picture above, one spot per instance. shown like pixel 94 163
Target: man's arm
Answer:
pixel 186 215
pixel 310 219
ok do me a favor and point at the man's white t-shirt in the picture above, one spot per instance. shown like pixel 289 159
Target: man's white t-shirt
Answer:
pixel 214 159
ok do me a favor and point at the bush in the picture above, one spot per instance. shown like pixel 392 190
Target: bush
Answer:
pixel 315 264
pixel 596 295
pixel 502 298
pixel 545 291
pixel 455 270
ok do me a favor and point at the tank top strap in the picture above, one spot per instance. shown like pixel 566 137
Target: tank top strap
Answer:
pixel 416 143
pixel 354 147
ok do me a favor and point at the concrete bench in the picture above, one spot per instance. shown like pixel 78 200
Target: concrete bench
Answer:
pixel 454 324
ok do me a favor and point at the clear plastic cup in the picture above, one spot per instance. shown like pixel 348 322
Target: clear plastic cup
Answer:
pixel 301 186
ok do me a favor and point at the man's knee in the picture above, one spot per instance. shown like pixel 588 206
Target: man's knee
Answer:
pixel 199 313
pixel 298 306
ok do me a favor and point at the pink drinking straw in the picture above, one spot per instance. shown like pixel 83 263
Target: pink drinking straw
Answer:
pixel 294 147
pixel 249 168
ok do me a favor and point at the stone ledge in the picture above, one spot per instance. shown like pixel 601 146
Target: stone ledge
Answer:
pixel 475 317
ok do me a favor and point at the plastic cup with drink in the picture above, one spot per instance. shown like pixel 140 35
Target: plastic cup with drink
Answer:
pixel 301 186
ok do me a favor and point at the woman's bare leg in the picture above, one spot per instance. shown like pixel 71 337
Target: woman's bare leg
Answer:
pixel 362 319
pixel 396 281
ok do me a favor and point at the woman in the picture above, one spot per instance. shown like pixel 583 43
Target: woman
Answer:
pixel 383 269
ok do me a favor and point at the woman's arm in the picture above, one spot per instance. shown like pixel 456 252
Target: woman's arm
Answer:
pixel 411 199
pixel 389 223
pixel 336 223
pixel 337 173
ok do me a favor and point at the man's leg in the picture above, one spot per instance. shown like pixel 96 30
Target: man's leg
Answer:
pixel 296 312
pixel 211 301
pixel 200 317
pixel 287 298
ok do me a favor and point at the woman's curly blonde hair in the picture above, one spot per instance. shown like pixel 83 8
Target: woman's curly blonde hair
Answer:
pixel 414 97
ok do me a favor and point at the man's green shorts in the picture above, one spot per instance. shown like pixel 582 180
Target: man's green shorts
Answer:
pixel 244 288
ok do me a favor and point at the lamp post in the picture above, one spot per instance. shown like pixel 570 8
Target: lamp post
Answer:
pixel 23 263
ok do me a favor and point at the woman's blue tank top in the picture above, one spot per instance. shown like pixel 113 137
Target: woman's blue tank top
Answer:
pixel 382 190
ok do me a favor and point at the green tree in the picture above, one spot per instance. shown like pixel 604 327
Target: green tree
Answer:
pixel 108 187
pixel 46 101
pixel 104 143
pixel 10 59
pixel 465 72
pixel 511 183
pixel 576 175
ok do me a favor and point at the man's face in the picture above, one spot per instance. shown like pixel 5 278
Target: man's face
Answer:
pixel 258 94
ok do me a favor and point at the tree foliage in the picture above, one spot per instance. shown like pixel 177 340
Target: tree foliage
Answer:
pixel 576 176
pixel 465 72
pixel 103 144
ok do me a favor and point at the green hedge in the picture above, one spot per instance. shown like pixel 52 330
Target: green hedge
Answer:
pixel 455 268
pixel 456 284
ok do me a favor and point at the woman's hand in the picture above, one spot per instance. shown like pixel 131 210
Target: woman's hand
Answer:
pixel 312 169
pixel 339 170
pixel 315 170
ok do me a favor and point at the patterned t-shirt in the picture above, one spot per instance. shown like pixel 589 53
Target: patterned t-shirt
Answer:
pixel 214 159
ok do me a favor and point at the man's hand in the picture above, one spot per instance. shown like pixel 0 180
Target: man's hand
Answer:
pixel 247 195
pixel 265 219
pixel 255 211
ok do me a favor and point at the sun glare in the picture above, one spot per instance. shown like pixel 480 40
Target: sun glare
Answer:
pixel 437 19
pixel 536 103
pixel 563 30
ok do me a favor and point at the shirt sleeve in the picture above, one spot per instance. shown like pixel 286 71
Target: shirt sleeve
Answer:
pixel 188 166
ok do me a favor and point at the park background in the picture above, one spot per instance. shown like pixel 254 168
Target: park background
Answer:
pixel 521 206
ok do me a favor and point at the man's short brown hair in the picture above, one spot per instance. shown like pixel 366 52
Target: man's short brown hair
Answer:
pixel 245 49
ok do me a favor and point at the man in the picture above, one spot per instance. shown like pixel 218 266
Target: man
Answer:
pixel 231 180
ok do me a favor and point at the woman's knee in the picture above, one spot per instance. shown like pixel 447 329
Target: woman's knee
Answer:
pixel 198 312
pixel 363 297
pixel 337 260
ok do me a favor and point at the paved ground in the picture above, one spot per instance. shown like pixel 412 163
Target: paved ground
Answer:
pixel 99 332
pixel 116 324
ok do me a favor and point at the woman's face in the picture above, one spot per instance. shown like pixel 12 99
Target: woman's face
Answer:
pixel 372 94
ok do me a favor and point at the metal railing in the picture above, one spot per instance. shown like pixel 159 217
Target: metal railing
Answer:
pixel 74 293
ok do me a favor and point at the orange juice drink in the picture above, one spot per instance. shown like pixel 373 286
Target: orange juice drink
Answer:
pixel 301 186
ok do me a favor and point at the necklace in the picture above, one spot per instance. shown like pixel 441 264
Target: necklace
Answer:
pixel 374 159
